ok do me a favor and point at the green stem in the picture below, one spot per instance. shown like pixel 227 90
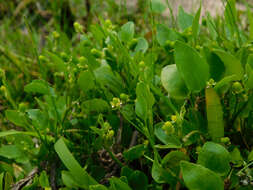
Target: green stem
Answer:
pixel 114 157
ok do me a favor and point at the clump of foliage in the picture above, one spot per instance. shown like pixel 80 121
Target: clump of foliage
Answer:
pixel 103 106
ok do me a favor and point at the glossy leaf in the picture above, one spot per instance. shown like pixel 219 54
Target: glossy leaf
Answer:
pixel 106 78
pixel 173 82
pixel 138 180
pixel 95 106
pixel 39 86
pixel 97 187
pixel 14 132
pixel 165 34
pixel 39 119
pixel 118 184
pixel 68 180
pixel 86 81
pixel 126 32
pixel 16 117
pixel 232 64
pixel 173 158
pixel 169 141
pixel 144 101
pixel 185 20
pixel 216 66
pixel 142 45
pixel 134 152
pixel 197 177
pixel 221 86
pixel 214 114
pixel 191 66
pixel 215 157
pixel 43 179
pixel 82 178
pixel 10 151
pixel 161 175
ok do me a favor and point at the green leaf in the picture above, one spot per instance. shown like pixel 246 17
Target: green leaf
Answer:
pixel 13 132
pixel 117 184
pixel 157 6
pixel 39 86
pixel 86 81
pixel 215 157
pixel 135 152
pixel 142 45
pixel 191 66
pixel 138 180
pixel 126 171
pixel 39 119
pixel 16 117
pixel 165 34
pixel 10 151
pixel 197 177
pixel 8 181
pixel 1 181
pixel 222 86
pixel 126 32
pixel 236 158
pixel 144 101
pixel 95 106
pixel 68 180
pixel 173 82
pixel 141 108
pixel 82 178
pixel 97 187
pixel 211 27
pixel 195 25
pixel 185 20
pixel 43 179
pixel 161 175
pixel 214 114
pixel 250 156
pixel 249 72
pixel 58 63
pixel 216 66
pixel 173 158
pixel 170 141
pixel 231 16
pixel 106 78
pixel 250 18
pixel 233 66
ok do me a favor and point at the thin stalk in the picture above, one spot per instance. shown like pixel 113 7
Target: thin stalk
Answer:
pixel 114 157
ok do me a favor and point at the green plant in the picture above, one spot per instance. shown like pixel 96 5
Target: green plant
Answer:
pixel 129 106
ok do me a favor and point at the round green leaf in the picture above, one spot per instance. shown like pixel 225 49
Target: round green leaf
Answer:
pixel 197 177
pixel 138 180
pixel 215 157
pixel 173 82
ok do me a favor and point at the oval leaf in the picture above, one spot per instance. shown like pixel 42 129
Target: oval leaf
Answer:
pixel 86 81
pixel 215 157
pixel 173 82
pixel 191 66
pixel 197 177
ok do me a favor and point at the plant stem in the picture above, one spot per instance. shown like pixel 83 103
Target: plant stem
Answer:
pixel 114 157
